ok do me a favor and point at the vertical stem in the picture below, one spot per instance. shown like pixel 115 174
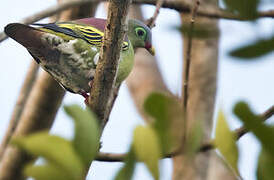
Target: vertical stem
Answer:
pixel 187 64
pixel 199 98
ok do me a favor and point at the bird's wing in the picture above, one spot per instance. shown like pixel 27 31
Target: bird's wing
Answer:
pixel 88 33
pixel 88 29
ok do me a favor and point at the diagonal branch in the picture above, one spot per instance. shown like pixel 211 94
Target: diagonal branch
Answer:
pixel 151 21
pixel 19 106
pixel 180 6
pixel 240 131
pixel 112 157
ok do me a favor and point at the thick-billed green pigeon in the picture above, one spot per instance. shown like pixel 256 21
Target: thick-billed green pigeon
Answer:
pixel 69 51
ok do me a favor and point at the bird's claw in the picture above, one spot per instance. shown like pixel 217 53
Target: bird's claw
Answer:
pixel 86 96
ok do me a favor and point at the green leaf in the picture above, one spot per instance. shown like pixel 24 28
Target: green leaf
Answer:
pixel 46 172
pixel 265 169
pixel 87 136
pixel 164 109
pixel 225 141
pixel 255 124
pixel 54 149
pixel 198 31
pixel 126 172
pixel 259 48
pixel 147 148
pixel 247 9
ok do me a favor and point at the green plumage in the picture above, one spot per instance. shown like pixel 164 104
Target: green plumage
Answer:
pixel 69 51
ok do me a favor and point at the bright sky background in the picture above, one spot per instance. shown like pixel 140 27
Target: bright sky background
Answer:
pixel 237 80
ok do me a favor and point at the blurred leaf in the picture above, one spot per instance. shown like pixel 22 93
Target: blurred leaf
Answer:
pixel 54 149
pixel 46 172
pixel 86 140
pixel 265 169
pixel 126 172
pixel 199 31
pixel 195 139
pixel 147 148
pixel 259 48
pixel 245 8
pixel 163 109
pixel 225 141
pixel 255 124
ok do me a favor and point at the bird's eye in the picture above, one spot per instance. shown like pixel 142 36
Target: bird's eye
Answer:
pixel 140 32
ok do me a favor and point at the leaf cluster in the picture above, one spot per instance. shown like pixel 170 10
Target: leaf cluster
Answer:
pixel 65 160
pixel 264 133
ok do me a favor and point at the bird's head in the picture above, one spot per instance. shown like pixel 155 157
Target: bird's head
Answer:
pixel 140 35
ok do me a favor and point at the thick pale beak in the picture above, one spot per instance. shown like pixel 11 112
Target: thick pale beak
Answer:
pixel 150 49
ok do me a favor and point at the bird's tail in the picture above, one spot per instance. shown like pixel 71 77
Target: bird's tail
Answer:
pixel 25 35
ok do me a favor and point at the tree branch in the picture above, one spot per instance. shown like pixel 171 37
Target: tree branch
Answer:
pixel 151 21
pixel 180 6
pixel 240 131
pixel 112 157
pixel 187 66
pixel 19 106
pixel 103 84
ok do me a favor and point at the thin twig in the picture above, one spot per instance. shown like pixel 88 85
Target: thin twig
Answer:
pixel 187 65
pixel 50 12
pixel 151 21
pixel 19 106
pixel 242 130
pixel 112 157
pixel 180 6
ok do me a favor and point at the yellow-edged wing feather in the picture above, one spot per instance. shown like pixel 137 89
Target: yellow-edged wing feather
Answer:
pixel 69 30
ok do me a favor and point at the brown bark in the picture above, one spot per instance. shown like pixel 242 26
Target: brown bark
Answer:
pixel 19 106
pixel 201 95
pixel 101 95
pixel 39 112
pixel 177 5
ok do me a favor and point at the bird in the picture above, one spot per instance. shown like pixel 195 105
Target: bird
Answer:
pixel 69 51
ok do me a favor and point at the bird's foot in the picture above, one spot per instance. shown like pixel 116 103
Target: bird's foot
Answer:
pixel 86 96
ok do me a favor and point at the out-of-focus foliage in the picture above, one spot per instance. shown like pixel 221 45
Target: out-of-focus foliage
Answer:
pixel 54 149
pixel 151 142
pixel 254 123
pixel 265 169
pixel 225 142
pixel 265 134
pixel 86 135
pixel 258 48
pixel 64 159
pixel 247 9
pixel 163 108
pixel 126 172
pixel 47 172
pixel 199 31
pixel 147 148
